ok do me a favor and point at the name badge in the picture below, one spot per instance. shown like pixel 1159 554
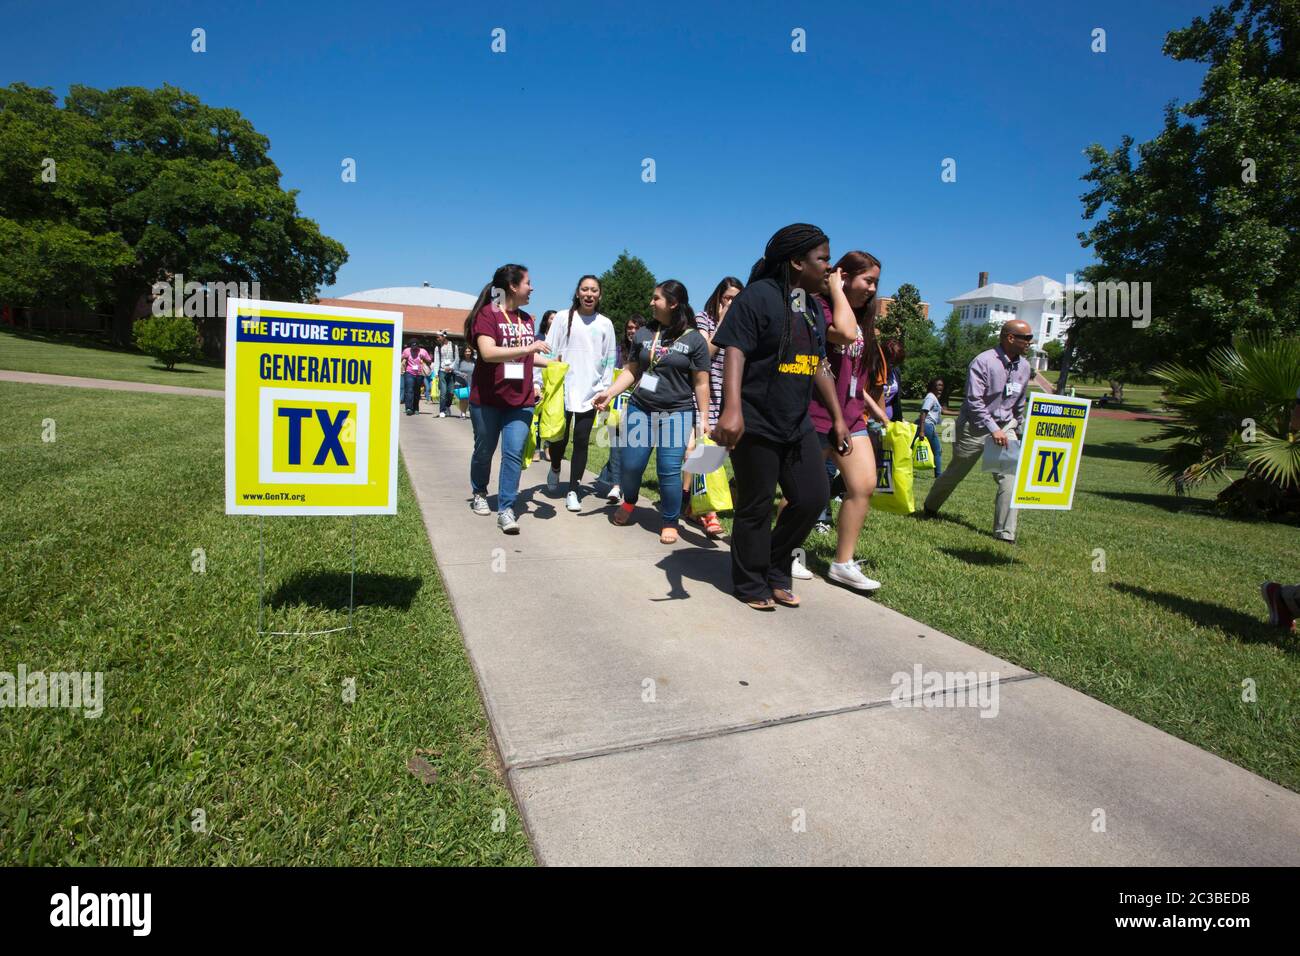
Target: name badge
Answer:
pixel 514 370
pixel 1013 388
pixel 649 382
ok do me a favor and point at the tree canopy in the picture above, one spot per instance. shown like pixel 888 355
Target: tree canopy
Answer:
pixel 1209 211
pixel 117 189
pixel 625 288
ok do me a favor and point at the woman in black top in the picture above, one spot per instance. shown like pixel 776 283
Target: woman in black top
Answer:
pixel 775 342
pixel 669 363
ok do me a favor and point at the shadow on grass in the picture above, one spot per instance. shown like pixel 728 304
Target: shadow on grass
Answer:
pixel 177 371
pixel 1170 503
pixel 329 590
pixel 1123 452
pixel 983 557
pixel 1244 627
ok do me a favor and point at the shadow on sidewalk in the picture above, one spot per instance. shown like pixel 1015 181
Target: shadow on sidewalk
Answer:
pixel 696 564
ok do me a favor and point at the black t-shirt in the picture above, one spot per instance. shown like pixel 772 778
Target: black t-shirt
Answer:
pixel 674 362
pixel 775 390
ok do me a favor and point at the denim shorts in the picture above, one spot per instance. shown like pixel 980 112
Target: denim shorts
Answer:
pixel 824 438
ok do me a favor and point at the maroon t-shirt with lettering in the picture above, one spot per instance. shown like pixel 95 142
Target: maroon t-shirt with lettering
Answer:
pixel 849 363
pixel 490 384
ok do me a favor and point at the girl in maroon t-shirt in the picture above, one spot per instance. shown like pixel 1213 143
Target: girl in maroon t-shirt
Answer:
pixel 501 390
pixel 851 363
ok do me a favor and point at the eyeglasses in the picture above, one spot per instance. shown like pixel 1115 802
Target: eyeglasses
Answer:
pixel 1021 338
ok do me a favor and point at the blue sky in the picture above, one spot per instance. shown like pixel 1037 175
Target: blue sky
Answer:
pixel 467 158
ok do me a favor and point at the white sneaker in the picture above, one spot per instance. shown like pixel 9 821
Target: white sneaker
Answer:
pixel 552 479
pixel 797 570
pixel 614 494
pixel 571 501
pixel 507 523
pixel 464 414
pixel 442 414
pixel 479 505
pixel 851 576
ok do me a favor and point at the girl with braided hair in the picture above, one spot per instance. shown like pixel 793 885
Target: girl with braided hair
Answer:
pixel 775 350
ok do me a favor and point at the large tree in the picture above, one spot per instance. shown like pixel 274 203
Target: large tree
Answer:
pixel 117 189
pixel 906 321
pixel 625 289
pixel 1209 213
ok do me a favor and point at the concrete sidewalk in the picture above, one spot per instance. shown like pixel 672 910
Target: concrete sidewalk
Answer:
pixel 645 716
pixel 76 381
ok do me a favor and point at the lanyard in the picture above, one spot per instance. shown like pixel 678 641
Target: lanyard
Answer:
pixel 654 347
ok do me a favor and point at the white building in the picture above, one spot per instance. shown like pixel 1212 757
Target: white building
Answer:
pixel 416 295
pixel 1037 301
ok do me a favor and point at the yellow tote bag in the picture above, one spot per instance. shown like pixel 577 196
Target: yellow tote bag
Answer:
pixel 710 492
pixel 922 459
pixel 894 491
pixel 552 404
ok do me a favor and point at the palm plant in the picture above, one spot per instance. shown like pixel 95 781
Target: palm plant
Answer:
pixel 1234 412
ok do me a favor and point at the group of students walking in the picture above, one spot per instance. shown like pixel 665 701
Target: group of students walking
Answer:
pixel 451 367
pixel 785 370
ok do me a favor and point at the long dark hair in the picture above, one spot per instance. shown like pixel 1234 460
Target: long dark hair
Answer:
pixel 574 306
pixel 683 314
pixel 711 307
pixel 852 264
pixel 545 325
pixel 786 243
pixel 509 275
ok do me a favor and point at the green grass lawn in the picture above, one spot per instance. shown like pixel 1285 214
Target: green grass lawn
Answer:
pixel 59 354
pixel 201 713
pixel 1168 632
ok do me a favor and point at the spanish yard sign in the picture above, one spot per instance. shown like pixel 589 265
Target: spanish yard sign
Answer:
pixel 1051 448
pixel 311 409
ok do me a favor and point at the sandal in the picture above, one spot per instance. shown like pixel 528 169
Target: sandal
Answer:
pixel 668 536
pixel 712 526
pixel 622 514
pixel 762 604
pixel 785 597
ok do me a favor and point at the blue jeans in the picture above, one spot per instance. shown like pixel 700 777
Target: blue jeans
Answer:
pixel 933 435
pixel 446 386
pixel 669 433
pixel 410 391
pixel 510 427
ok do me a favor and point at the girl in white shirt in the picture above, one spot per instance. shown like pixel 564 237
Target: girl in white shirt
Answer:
pixel 583 338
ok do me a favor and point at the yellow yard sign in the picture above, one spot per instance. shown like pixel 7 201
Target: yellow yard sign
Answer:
pixel 311 409
pixel 1050 452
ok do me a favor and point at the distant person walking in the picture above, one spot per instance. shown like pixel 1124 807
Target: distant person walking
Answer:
pixel 444 367
pixel 415 366
pixel 997 385
pixel 464 374
pixel 583 339
pixel 501 394
pixel 928 422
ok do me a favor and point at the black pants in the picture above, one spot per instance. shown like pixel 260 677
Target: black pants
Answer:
pixel 581 428
pixel 760 554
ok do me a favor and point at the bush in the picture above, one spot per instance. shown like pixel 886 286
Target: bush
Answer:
pixel 168 338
